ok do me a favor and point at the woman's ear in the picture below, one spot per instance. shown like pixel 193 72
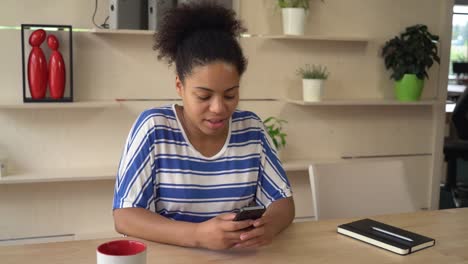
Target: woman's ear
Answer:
pixel 179 86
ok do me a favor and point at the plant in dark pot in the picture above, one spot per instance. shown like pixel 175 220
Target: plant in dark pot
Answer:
pixel 409 56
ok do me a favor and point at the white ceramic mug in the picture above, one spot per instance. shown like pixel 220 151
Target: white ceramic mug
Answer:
pixel 121 252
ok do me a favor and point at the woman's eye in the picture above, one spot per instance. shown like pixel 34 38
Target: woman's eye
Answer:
pixel 203 98
pixel 229 97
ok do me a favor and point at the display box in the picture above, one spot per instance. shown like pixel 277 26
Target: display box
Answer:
pixel 47 54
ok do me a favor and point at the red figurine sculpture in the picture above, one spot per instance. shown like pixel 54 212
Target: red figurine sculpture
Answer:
pixel 37 66
pixel 56 69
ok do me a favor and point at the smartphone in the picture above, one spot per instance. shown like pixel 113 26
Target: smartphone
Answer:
pixel 250 212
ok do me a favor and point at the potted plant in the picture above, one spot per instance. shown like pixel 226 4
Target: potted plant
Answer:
pixel 409 56
pixel 294 13
pixel 274 127
pixel 313 81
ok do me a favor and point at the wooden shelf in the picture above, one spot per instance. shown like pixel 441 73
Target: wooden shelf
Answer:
pixel 60 175
pixel 122 31
pixel 296 165
pixel 309 37
pixel 75 105
pixel 303 165
pixel 362 102
pixel 277 37
pixel 96 174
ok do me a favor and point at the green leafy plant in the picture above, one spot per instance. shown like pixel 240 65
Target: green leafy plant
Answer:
pixel 412 52
pixel 459 57
pixel 313 72
pixel 294 4
pixel 274 128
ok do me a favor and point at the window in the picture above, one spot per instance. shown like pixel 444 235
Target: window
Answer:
pixel 459 46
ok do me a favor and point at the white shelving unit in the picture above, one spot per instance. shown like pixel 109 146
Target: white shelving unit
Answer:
pixel 74 105
pixel 276 37
pixel 369 102
pixel 60 175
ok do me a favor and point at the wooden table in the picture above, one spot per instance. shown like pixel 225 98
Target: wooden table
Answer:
pixel 307 242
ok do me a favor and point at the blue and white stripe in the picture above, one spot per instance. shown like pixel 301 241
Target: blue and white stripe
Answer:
pixel 162 172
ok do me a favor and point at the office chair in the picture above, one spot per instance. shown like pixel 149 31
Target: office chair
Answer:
pixel 460 69
pixel 455 149
pixel 360 189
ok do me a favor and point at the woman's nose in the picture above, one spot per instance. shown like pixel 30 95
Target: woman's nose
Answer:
pixel 218 106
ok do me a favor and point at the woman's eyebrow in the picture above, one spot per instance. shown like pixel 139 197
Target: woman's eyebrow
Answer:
pixel 232 88
pixel 211 90
pixel 204 88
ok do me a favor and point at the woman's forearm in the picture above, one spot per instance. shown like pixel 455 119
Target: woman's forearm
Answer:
pixel 281 212
pixel 141 223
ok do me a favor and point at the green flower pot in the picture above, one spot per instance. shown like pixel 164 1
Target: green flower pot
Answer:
pixel 409 88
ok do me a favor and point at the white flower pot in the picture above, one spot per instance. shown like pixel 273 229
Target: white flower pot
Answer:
pixel 312 89
pixel 293 21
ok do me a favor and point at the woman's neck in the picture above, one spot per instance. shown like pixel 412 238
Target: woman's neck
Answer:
pixel 208 145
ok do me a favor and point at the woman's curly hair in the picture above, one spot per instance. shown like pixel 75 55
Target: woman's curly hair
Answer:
pixel 199 33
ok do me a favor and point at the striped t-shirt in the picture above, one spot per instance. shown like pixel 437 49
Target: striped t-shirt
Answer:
pixel 161 171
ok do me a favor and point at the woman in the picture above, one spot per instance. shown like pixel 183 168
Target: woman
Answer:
pixel 186 168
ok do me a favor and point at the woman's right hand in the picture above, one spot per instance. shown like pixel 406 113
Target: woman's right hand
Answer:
pixel 220 232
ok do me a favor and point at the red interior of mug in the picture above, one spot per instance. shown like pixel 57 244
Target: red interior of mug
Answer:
pixel 122 248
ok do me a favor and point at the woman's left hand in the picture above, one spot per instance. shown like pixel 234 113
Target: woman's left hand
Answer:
pixel 259 235
pixel 277 217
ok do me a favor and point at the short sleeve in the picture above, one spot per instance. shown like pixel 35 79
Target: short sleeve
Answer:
pixel 273 183
pixel 134 186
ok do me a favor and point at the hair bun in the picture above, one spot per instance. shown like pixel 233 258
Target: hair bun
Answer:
pixel 187 19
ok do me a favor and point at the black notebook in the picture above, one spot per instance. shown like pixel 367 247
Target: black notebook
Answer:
pixel 386 236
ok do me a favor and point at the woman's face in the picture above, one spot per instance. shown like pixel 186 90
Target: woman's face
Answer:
pixel 210 95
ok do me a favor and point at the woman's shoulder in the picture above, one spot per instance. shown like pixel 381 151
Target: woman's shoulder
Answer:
pixel 161 111
pixel 246 119
pixel 163 115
